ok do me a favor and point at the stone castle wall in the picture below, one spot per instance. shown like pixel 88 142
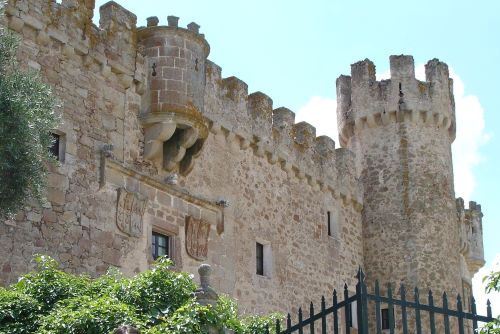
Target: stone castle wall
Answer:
pixel 106 198
pixel 155 139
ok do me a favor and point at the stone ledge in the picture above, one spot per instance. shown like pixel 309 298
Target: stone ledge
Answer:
pixel 109 164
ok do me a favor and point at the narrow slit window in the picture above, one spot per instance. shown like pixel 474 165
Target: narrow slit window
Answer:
pixel 259 257
pixel 349 316
pixel 329 222
pixel 386 323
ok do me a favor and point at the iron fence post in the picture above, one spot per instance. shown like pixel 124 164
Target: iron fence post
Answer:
pixel 361 303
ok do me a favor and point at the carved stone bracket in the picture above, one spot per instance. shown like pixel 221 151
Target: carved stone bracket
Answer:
pixel 154 137
pixel 172 140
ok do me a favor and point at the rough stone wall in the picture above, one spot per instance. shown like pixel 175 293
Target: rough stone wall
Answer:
pixel 91 71
pixel 269 208
pixel 279 178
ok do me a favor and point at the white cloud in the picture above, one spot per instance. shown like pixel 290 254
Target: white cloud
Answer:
pixel 478 289
pixel 471 136
pixel 321 112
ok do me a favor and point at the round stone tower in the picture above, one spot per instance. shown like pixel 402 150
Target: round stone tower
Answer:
pixel 401 132
pixel 172 118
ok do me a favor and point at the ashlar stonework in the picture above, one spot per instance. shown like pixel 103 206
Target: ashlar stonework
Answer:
pixel 156 140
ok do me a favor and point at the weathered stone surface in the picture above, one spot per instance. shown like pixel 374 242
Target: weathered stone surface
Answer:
pixel 56 196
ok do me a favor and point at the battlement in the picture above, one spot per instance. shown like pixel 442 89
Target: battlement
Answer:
pixel 250 121
pixel 362 101
pixel 110 49
pixel 158 33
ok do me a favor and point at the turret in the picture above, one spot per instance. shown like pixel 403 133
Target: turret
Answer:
pixel 172 118
pixel 475 254
pixel 401 131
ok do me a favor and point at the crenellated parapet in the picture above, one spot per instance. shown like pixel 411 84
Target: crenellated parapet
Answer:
pixel 249 121
pixel 471 234
pixel 109 50
pixel 362 101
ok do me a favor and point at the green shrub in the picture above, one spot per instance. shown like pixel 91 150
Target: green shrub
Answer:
pixel 49 301
pixel 226 314
pixel 189 318
pixel 87 315
pixel 158 292
pixel 18 312
pixel 47 285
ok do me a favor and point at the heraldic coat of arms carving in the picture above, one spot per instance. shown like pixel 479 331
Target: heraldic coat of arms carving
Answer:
pixel 130 211
pixel 197 232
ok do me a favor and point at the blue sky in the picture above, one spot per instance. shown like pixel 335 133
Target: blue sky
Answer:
pixel 293 51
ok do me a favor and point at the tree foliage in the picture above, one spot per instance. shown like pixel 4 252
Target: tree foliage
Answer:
pixel 26 118
pixel 156 301
pixel 493 284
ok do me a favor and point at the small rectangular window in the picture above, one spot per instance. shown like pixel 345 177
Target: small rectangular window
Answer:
pixel 160 245
pixel 386 324
pixel 58 147
pixel 259 258
pixel 54 149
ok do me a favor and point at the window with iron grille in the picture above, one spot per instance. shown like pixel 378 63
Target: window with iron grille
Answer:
pixel 160 245
pixel 259 258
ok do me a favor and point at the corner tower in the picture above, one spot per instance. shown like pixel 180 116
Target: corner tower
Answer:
pixel 174 128
pixel 401 132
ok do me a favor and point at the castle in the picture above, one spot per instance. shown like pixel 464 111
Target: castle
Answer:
pixel 159 154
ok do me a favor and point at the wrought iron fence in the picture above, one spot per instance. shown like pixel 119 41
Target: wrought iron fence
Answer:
pixel 353 311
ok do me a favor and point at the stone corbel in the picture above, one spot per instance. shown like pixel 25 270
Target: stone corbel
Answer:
pixel 154 137
pixel 175 151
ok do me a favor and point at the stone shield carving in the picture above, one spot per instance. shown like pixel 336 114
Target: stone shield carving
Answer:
pixel 197 232
pixel 130 211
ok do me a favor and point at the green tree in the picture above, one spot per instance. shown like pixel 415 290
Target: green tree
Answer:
pixel 26 118
pixel 493 284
